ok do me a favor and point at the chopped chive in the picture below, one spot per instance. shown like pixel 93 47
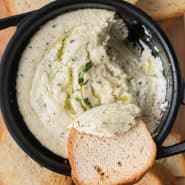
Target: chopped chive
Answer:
pixel 87 102
pixel 85 82
pixel 81 81
pixel 87 66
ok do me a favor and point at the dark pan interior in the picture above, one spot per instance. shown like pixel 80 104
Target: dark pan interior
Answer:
pixel 13 52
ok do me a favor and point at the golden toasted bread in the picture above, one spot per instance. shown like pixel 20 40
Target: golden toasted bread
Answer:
pixel 162 9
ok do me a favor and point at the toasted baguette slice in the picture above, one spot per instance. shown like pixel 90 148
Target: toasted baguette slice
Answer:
pixel 20 6
pixel 176 164
pixel 122 159
pixel 162 9
pixel 17 168
pixel 157 175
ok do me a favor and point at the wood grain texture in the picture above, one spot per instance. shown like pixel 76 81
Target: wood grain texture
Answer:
pixel 174 28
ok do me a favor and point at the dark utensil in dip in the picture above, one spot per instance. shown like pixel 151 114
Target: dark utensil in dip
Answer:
pixel 27 24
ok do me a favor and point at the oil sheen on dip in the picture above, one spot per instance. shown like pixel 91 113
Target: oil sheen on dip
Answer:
pixel 78 61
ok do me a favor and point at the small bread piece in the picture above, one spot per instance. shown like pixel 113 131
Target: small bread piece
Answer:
pixel 17 168
pixel 176 164
pixel 121 159
pixel 162 9
pixel 157 175
pixel 21 6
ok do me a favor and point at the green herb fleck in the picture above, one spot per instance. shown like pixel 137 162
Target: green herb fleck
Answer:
pixel 62 134
pixel 140 83
pixel 59 84
pixel 85 82
pixel 87 66
pixel 77 99
pixel 81 81
pixel 87 102
pixel 99 82
pixel 71 41
pixel 74 59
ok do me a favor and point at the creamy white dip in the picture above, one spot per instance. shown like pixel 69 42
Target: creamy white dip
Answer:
pixel 78 61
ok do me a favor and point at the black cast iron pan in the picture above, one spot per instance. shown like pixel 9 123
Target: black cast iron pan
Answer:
pixel 28 23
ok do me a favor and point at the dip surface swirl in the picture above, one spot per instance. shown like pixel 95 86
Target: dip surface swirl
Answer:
pixel 78 61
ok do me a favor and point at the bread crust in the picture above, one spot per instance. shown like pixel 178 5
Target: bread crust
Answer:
pixel 171 15
pixel 72 134
pixel 161 11
pixel 11 6
pixel 138 176
pixel 157 175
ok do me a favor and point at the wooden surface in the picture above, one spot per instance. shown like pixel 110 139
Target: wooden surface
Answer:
pixel 5 35
pixel 175 30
